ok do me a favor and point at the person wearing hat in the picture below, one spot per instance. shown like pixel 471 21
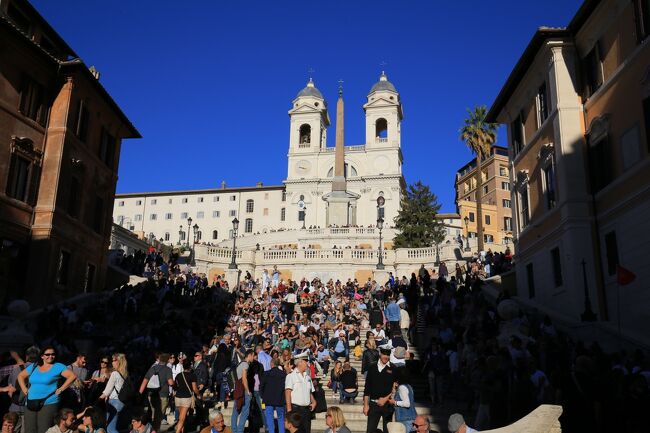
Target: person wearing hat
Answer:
pixel 298 389
pixel 456 424
pixel 378 390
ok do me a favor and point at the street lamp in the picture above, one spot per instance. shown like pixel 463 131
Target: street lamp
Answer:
pixel 189 225
pixel 467 248
pixel 380 226
pixel 302 211
pixel 195 239
pixel 235 226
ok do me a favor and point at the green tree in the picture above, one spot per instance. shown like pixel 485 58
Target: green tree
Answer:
pixel 416 222
pixel 479 136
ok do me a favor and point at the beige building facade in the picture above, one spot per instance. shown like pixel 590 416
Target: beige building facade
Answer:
pixel 496 200
pixel 372 169
pixel 577 106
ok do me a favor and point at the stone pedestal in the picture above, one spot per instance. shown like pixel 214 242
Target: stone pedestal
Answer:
pixel 232 277
pixel 339 208
pixel 380 276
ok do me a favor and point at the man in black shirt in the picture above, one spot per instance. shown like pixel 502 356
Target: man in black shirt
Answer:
pixel 379 386
pixel 349 386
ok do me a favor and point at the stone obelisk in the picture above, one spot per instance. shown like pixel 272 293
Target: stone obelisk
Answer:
pixel 339 184
pixel 341 204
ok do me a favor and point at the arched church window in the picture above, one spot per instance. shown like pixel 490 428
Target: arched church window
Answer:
pixel 305 134
pixel 250 205
pixel 215 234
pixel 381 128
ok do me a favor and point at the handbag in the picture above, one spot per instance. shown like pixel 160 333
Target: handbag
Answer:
pixel 37 404
pixel 193 401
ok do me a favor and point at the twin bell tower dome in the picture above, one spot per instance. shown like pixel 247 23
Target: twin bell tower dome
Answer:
pixel 350 176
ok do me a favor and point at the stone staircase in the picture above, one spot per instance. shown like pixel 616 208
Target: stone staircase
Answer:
pixel 355 419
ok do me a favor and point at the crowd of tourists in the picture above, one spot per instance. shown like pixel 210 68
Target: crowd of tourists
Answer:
pixel 175 351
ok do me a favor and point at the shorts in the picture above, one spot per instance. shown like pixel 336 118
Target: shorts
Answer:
pixel 183 402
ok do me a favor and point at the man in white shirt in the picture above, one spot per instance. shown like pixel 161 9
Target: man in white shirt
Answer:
pixel 298 389
pixel 380 335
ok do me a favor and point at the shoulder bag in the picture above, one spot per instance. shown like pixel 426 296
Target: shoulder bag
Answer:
pixel 193 401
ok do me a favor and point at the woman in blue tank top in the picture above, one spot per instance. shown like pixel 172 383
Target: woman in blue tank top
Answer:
pixel 40 381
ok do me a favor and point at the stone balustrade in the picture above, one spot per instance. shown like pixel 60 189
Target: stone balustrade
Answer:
pixel 544 419
pixel 341 263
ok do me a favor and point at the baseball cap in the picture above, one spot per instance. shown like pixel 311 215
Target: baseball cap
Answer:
pixel 456 420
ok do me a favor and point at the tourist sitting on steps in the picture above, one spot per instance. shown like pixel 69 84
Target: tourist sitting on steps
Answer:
pixel 349 385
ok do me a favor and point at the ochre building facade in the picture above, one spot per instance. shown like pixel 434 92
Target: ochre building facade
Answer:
pixel 60 138
pixel 577 106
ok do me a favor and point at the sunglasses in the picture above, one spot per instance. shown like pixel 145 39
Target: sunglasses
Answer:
pixel 49 354
pixel 104 361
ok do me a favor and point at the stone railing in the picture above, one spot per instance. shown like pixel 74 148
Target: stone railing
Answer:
pixel 218 252
pixel 381 140
pixel 341 263
pixel 342 231
pixel 544 419
pixel 356 148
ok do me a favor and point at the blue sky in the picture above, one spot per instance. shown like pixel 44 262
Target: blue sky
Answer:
pixel 209 83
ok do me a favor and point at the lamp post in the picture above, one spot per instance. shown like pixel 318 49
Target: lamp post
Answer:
pixel 189 226
pixel 466 219
pixel 235 226
pixel 302 212
pixel 380 226
pixel 195 239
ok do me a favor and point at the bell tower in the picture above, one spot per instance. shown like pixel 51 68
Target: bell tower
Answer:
pixel 309 121
pixel 383 115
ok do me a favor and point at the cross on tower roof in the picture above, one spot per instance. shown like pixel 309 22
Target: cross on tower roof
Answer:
pixel 383 65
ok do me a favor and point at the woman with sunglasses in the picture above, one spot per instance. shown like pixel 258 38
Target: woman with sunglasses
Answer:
pixel 111 393
pixel 99 378
pixel 43 378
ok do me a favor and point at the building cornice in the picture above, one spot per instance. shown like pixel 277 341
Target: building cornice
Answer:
pixel 201 191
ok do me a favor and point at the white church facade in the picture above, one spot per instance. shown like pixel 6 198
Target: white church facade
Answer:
pixel 371 170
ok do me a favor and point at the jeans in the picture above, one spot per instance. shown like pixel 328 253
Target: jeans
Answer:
pixel 346 395
pixel 258 399
pixel 268 416
pixel 238 421
pixel 408 424
pixel 113 409
pixel 336 385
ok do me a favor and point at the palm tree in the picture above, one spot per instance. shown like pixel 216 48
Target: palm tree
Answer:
pixel 479 136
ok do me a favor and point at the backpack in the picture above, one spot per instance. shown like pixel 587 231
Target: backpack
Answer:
pixel 230 375
pixel 127 392
pixel 18 397
pixel 154 381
